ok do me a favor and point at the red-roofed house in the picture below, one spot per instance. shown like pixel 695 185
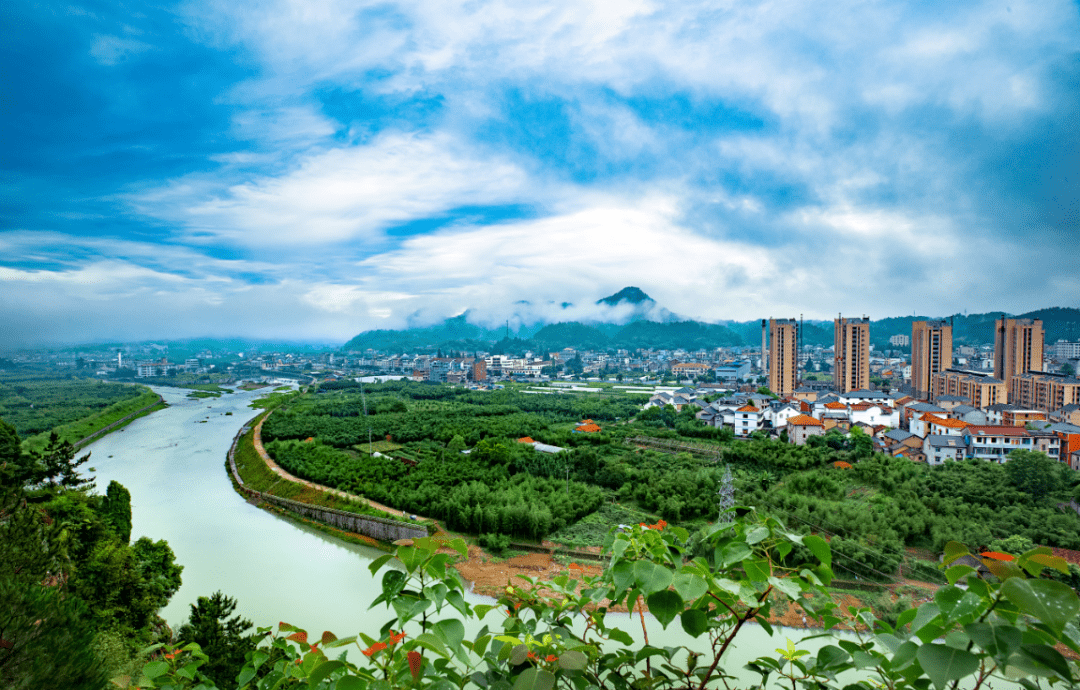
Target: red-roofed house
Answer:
pixel 946 427
pixel 587 428
pixel 747 420
pixel 802 427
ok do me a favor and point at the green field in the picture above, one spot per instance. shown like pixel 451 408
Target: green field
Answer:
pixel 78 430
pixel 875 510
pixel 75 408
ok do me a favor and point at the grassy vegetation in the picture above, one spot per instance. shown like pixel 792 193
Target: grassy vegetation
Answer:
pixel 203 394
pixel 80 429
pixel 206 388
pixel 593 528
pixel 258 476
pixel 35 403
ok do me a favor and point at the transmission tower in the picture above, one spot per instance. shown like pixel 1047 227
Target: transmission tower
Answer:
pixel 727 494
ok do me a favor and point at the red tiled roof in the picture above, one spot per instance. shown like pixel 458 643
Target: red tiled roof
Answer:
pixel 747 408
pixel 950 423
pixel 929 417
pixel 803 420
pixel 836 406
pixel 525 439
pixel 588 428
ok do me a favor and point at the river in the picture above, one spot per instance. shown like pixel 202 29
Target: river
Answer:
pixel 173 463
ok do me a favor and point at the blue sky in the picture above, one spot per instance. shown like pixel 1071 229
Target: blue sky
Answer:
pixel 302 170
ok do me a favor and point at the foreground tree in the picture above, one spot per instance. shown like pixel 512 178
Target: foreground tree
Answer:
pixel 558 634
pixel 226 641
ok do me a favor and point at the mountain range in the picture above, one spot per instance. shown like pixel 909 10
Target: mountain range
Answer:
pixel 631 319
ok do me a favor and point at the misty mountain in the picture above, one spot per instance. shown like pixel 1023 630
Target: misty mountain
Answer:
pixel 631 319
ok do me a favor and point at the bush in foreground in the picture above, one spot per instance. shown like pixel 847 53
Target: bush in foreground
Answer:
pixel 996 627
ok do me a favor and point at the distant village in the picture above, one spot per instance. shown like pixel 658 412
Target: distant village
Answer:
pixel 925 400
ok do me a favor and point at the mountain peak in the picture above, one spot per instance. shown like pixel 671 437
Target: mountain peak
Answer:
pixel 631 295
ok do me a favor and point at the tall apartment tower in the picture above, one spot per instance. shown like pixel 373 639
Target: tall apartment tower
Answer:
pixel 931 353
pixel 851 354
pixel 782 355
pixel 1018 347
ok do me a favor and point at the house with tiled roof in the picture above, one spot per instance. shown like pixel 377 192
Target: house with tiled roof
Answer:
pixel 994 443
pixel 938 449
pixel 969 414
pixel 920 426
pixel 587 429
pixel 836 419
pixel 913 411
pixel 802 427
pixel 945 427
pixel 777 415
pixel 746 421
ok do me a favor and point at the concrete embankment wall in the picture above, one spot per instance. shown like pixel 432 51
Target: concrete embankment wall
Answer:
pixel 368 525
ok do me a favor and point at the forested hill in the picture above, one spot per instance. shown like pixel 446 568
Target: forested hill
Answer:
pixel 1060 323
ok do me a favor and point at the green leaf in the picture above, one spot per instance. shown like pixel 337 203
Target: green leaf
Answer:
pixel 323 670
pixel 954 550
pixel 429 641
pixel 155 669
pixel 246 674
pixel 756 570
pixel 820 548
pixel 831 656
pixel 620 636
pixel 622 575
pixel 926 613
pixel 1053 603
pixel 689 586
pixel 651 577
pixel 758 534
pixel 573 661
pixel 1044 656
pixel 451 631
pixel 519 654
pixel 955 573
pixel 1051 562
pixel 1003 570
pixel 733 553
pixel 379 562
pixel 664 605
pixel 535 679
pixel 460 546
pixel 943 664
pixel 694 622
pixel 947 597
pixel 350 683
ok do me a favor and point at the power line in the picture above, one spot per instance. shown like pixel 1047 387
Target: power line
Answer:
pixel 849 558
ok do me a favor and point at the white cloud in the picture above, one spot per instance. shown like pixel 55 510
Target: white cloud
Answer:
pixel 346 193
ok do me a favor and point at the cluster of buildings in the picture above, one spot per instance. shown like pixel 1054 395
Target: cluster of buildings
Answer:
pixel 946 413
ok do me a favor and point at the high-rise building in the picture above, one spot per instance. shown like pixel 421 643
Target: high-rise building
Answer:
pixel 1018 347
pixel 1038 390
pixel 782 354
pixel 977 387
pixel 931 353
pixel 851 354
